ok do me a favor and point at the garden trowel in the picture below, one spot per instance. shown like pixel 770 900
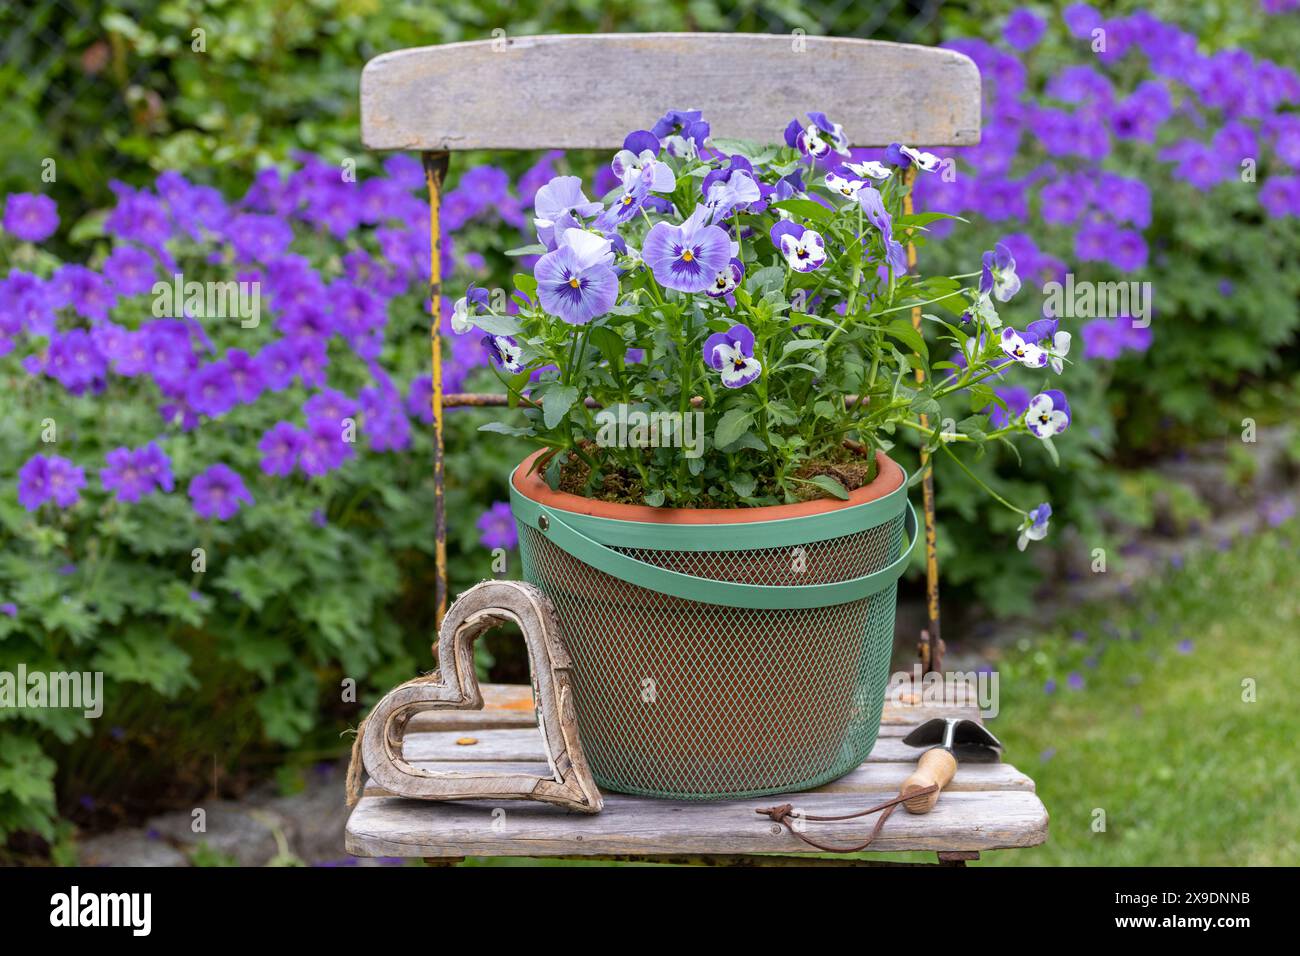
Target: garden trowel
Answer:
pixel 954 739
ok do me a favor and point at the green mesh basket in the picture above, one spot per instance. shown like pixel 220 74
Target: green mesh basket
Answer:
pixel 732 660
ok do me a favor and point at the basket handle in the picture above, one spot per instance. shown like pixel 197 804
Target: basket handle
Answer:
pixel 726 593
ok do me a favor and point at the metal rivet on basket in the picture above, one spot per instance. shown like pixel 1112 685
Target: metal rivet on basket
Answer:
pixel 543 522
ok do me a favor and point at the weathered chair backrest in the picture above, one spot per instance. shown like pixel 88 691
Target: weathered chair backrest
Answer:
pixel 588 92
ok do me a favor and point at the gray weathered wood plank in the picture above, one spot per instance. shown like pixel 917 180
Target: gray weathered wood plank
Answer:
pixel 589 91
pixel 514 743
pixel 393 826
pixel 868 778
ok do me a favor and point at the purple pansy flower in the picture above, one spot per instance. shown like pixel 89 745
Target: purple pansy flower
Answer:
pixel 688 257
pixel 563 195
pixel 635 192
pixel 497 527
pixel 732 354
pixel 218 493
pixel 30 216
pixel 736 191
pixel 577 281
pixel 1048 414
pixel 49 478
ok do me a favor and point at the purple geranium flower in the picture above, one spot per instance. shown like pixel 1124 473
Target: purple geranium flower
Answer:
pixel 153 461
pixel 279 448
pixel 49 478
pixel 732 354
pixel 688 257
pixel 218 492
pixel 131 270
pixel 577 281
pixel 497 527
pixel 211 390
pixel 30 216
pixel 1024 29
pixel 133 473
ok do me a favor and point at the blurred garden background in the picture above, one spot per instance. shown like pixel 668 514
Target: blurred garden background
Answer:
pixel 220 139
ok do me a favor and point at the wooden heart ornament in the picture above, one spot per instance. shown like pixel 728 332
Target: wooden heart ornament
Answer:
pixel 454 686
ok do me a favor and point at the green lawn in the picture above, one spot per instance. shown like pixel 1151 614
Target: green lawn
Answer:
pixel 1159 736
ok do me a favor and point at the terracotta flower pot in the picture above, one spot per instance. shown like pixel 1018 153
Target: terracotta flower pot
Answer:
pixel 722 652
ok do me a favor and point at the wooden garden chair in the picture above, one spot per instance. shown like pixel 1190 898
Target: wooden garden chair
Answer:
pixel 587 92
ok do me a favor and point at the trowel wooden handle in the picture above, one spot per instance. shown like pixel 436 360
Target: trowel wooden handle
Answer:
pixel 935 767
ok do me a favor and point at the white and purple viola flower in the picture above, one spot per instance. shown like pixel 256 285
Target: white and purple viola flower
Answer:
pixel 505 351
pixel 1026 353
pixel 867 169
pixel 804 250
pixel 1048 414
pixel 896 154
pixel 641 151
pixel 577 281
pixel 683 132
pixel 1034 527
pixel 726 281
pixel 1055 342
pixel 818 138
pixel 731 353
pixel 687 257
pixel 473 302
pixel 998 277
pixel 848 187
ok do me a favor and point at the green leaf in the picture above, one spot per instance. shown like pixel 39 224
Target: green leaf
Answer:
pixel 501 428
pixel 559 399
pixel 1051 451
pixel 731 426
pixel 655 499
pixel 533 249
pixel 806 208
pixel 829 484
pixel 902 330
pixel 743 485
pixel 498 324
pixel 526 284
pixel 610 344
